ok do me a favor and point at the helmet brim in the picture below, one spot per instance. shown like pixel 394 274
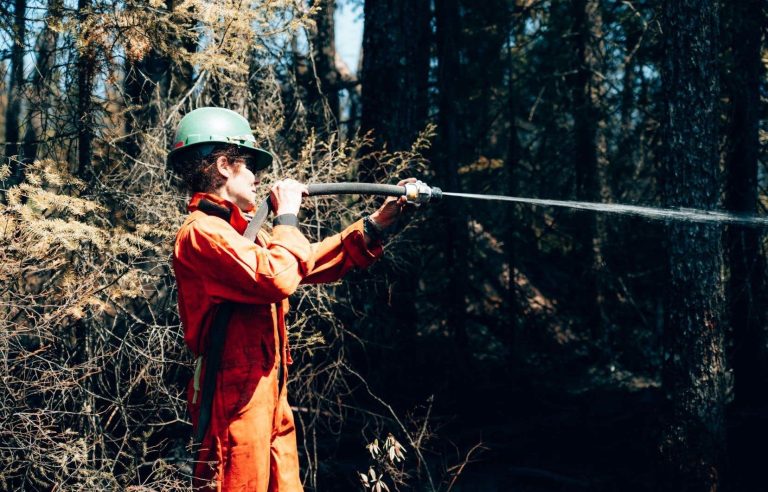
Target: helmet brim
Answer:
pixel 262 158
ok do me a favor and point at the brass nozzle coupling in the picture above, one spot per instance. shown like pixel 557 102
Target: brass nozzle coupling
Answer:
pixel 420 192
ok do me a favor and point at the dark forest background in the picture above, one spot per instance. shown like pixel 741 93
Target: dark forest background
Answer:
pixel 496 346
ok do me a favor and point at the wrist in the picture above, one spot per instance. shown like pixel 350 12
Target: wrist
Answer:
pixel 377 222
pixel 286 219
pixel 373 230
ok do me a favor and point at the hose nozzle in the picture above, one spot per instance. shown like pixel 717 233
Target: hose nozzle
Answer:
pixel 420 192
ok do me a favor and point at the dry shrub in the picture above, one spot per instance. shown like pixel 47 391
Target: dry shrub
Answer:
pixel 92 359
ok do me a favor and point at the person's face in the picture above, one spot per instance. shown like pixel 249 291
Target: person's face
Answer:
pixel 242 180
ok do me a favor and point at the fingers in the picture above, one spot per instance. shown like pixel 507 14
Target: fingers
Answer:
pixel 286 196
pixel 403 182
pixel 289 185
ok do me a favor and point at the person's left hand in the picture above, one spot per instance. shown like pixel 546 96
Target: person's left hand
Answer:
pixel 393 207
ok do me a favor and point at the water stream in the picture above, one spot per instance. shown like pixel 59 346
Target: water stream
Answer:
pixel 681 214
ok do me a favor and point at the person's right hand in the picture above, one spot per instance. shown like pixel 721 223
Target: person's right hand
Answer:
pixel 286 196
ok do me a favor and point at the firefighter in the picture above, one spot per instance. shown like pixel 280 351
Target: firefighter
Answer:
pixel 249 442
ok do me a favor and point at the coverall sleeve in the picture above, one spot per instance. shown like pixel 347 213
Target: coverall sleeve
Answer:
pixel 233 268
pixel 337 254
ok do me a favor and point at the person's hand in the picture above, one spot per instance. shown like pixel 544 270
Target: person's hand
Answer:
pixel 286 196
pixel 392 208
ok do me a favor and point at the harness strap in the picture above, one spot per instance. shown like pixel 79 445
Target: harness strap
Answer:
pixel 216 336
pixel 258 220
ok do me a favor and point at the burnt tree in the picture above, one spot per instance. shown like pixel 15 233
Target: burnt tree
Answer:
pixel 84 117
pixel 743 23
pixel 394 74
pixel 16 86
pixel 589 156
pixel 394 105
pixel 454 215
pixel 321 79
pixel 693 376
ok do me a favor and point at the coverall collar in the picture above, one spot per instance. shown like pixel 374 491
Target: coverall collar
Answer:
pixel 237 219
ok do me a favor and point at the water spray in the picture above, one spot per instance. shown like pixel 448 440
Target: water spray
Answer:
pixel 420 192
pixel 679 214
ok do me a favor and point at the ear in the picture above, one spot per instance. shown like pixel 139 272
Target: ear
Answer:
pixel 224 166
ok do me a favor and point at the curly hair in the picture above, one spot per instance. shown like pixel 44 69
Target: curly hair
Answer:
pixel 197 166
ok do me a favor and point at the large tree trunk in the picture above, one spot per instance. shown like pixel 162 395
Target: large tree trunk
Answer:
pixel 745 259
pixel 454 219
pixel 394 105
pixel 513 231
pixel 43 91
pixel 693 438
pixel 590 159
pixel 322 79
pixel 16 87
pixel 394 73
pixel 746 286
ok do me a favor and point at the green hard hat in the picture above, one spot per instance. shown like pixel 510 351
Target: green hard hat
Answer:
pixel 217 126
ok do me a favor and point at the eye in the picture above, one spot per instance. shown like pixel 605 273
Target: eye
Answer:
pixel 250 163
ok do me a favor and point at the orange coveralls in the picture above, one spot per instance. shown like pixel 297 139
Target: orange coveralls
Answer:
pixel 250 443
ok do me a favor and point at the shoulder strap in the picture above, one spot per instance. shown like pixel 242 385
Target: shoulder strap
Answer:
pixel 258 220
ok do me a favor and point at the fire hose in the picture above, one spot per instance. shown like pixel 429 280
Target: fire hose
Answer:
pixel 417 192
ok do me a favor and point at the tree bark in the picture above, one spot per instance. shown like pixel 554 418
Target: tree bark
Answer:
pixel 322 78
pixel 743 23
pixel 747 266
pixel 16 87
pixel 693 439
pixel 394 105
pixel 454 215
pixel 590 159
pixel 86 60
pixel 513 230
pixel 394 73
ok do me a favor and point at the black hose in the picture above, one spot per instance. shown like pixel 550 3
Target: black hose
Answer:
pixel 324 189
pixel 355 189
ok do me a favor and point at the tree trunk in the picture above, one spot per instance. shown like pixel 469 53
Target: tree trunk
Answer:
pixel 394 74
pixel 590 158
pixel 322 78
pixel 394 105
pixel 693 439
pixel 42 97
pixel 144 79
pixel 746 284
pixel 746 263
pixel 182 72
pixel 454 217
pixel 513 232
pixel 16 87
pixel 86 68
pixel 624 165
